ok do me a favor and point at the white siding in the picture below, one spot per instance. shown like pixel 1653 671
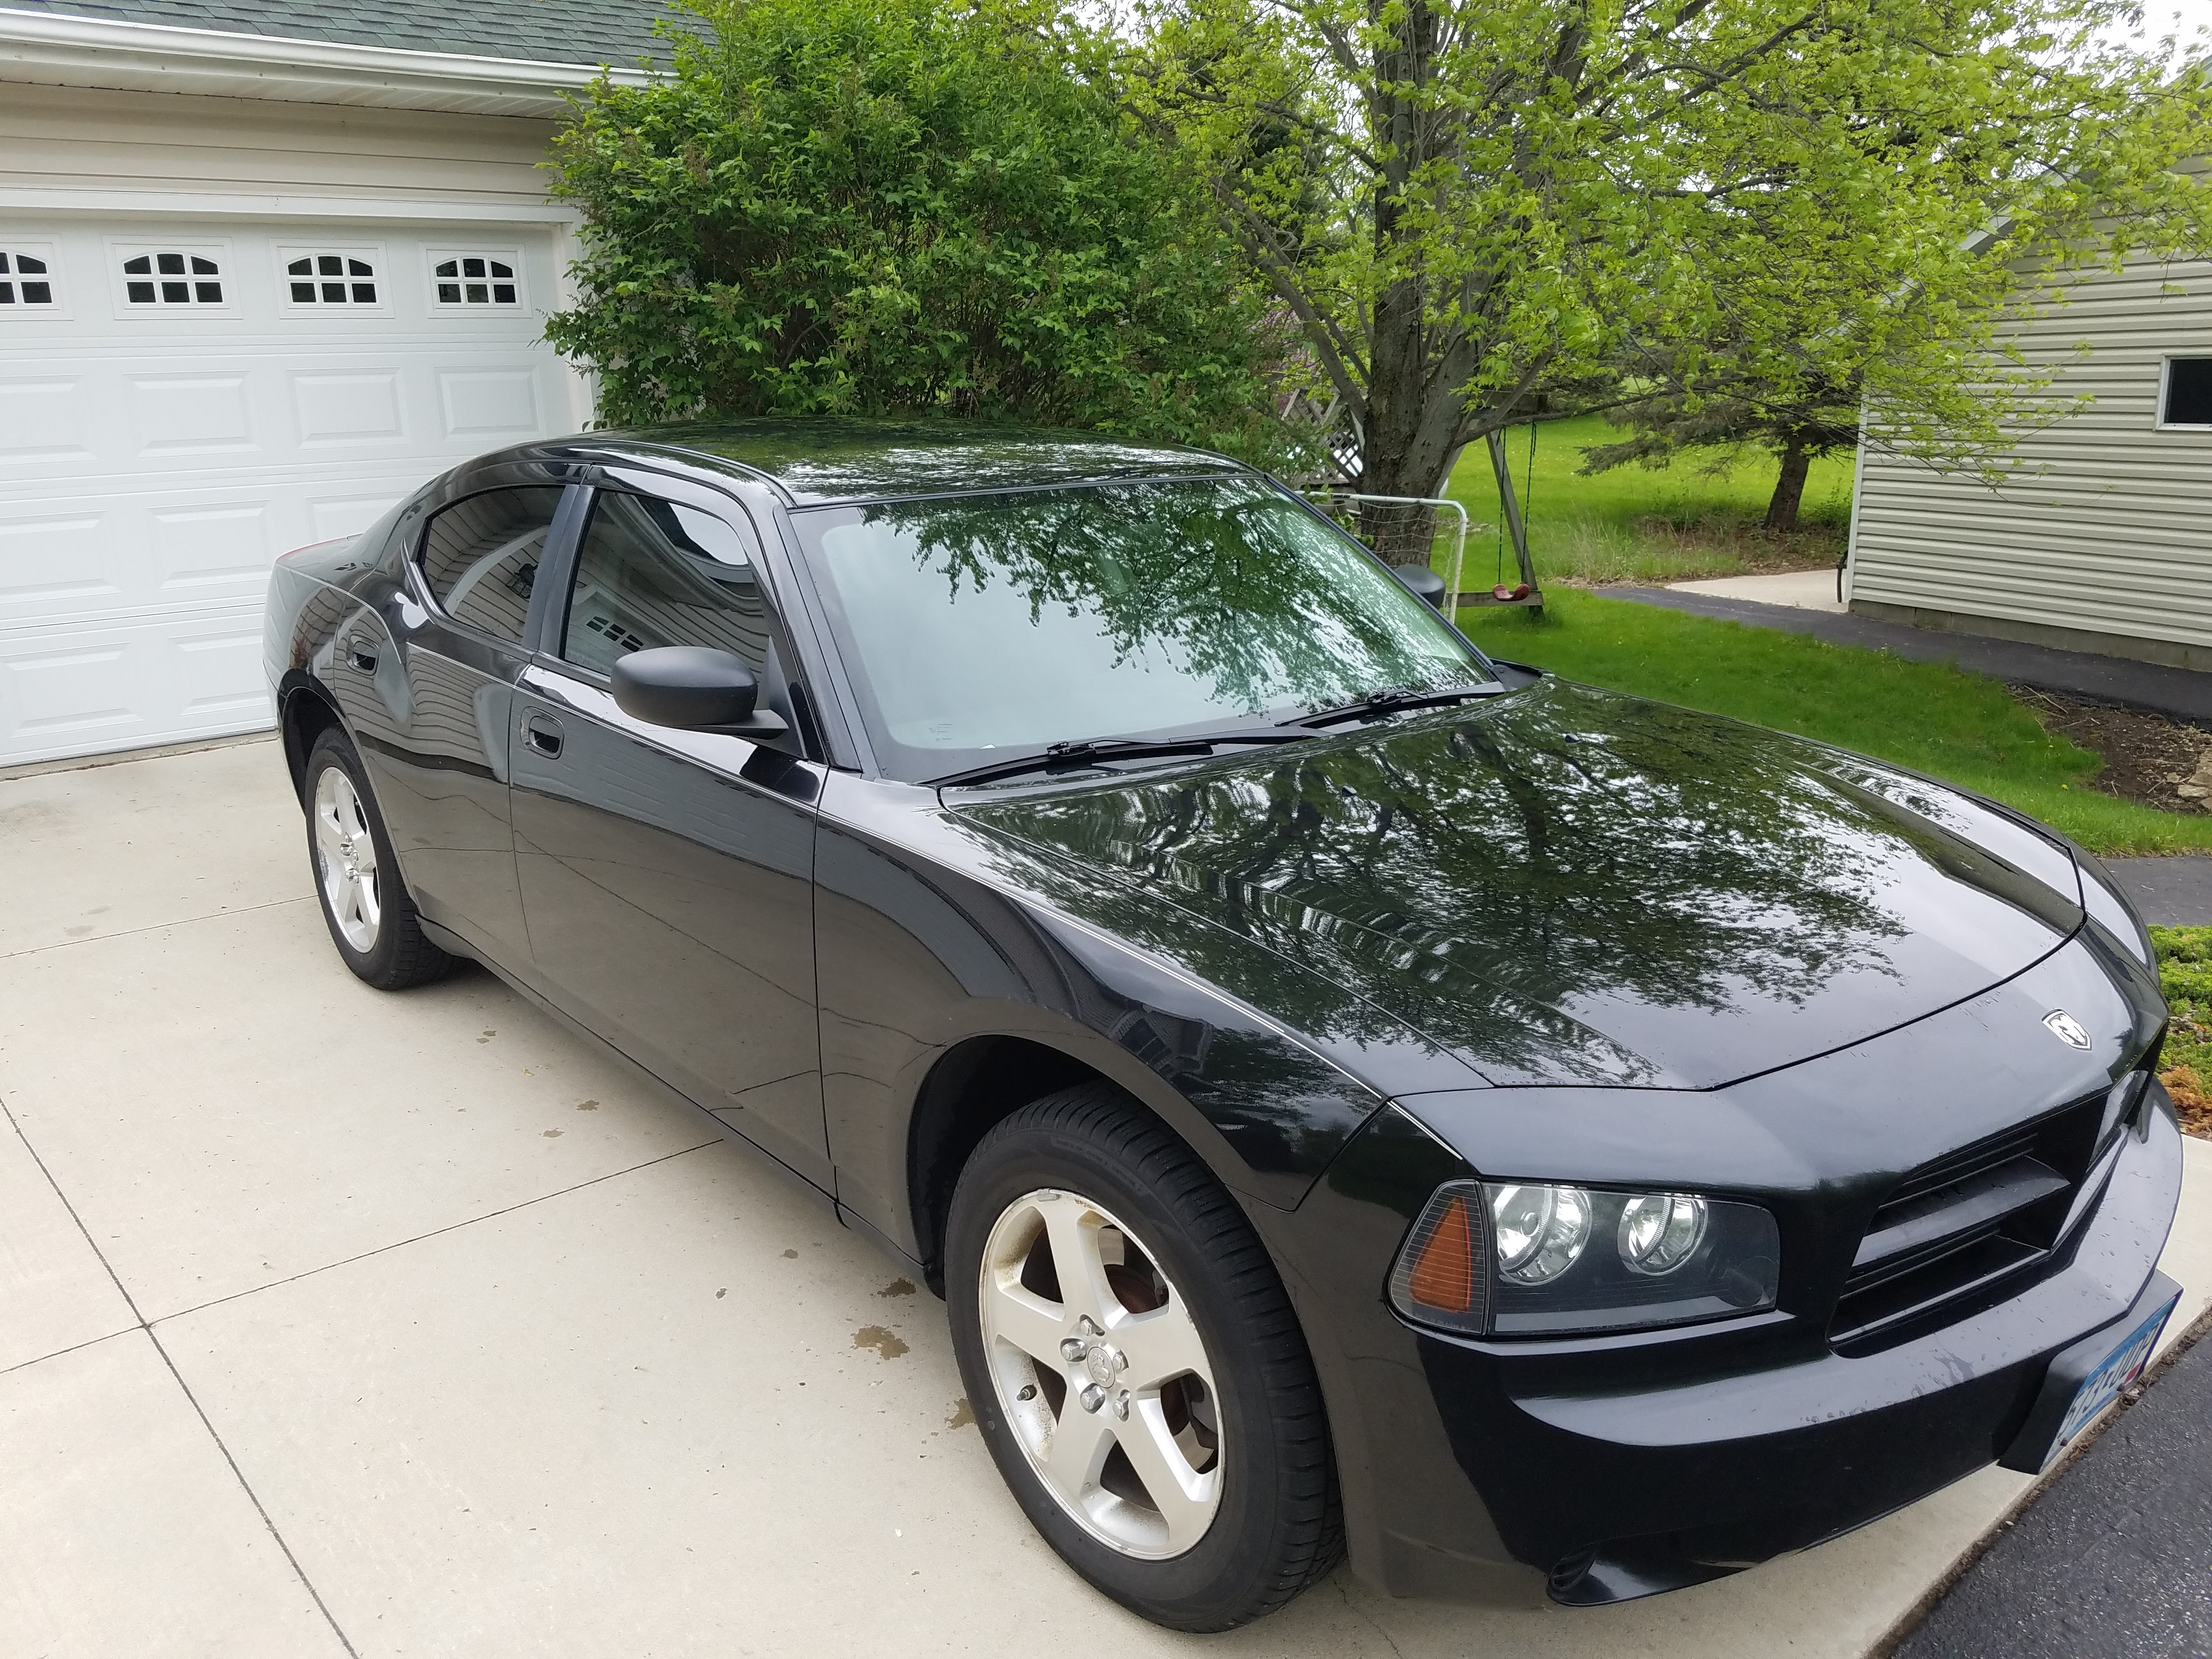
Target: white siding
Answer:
pixel 2108 530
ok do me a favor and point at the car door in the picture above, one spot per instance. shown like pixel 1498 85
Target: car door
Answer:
pixel 429 693
pixel 666 876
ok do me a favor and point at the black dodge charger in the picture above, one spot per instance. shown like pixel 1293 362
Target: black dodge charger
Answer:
pixel 1352 1093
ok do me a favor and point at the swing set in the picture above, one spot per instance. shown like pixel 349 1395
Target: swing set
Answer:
pixel 1348 506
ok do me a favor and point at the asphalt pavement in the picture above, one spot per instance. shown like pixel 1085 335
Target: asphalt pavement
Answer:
pixel 2114 1559
pixel 2170 892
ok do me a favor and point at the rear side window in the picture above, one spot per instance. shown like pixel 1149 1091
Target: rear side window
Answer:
pixel 652 572
pixel 481 556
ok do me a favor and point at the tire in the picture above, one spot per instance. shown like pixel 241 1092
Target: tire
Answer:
pixel 366 908
pixel 1238 1440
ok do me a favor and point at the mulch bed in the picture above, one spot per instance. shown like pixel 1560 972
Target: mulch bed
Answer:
pixel 2151 759
pixel 2190 1101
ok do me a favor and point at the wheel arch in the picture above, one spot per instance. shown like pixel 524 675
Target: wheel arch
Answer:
pixel 973 1085
pixel 305 710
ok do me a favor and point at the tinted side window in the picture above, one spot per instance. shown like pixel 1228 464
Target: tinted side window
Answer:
pixel 652 572
pixel 480 556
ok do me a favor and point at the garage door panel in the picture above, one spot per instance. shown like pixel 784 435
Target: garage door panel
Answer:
pixel 214 552
pixel 332 516
pixel 67 689
pixel 483 407
pixel 84 690
pixel 80 558
pixel 339 408
pixel 154 460
pixel 42 420
pixel 131 423
pixel 55 564
pixel 216 670
pixel 198 413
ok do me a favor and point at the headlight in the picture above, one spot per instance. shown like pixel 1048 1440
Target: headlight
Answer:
pixel 1539 1230
pixel 1660 1231
pixel 1523 1259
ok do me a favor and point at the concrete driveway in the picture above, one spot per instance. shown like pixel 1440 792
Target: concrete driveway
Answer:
pixel 338 1322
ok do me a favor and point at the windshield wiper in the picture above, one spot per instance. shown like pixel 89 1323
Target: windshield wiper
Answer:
pixel 1073 756
pixel 1394 701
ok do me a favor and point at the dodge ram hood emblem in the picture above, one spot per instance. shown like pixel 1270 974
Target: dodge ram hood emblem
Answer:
pixel 2067 1028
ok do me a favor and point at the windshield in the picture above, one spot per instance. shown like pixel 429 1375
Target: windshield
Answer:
pixel 980 627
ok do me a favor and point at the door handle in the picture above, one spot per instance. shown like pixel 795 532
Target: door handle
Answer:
pixel 543 733
pixel 360 658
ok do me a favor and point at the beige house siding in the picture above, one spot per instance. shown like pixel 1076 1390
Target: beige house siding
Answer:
pixel 58 142
pixel 2104 541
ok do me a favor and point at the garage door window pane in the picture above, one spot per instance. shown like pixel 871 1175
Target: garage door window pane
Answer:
pixel 480 558
pixel 653 573
pixel 331 279
pixel 476 279
pixel 172 279
pixel 2188 393
pixel 25 280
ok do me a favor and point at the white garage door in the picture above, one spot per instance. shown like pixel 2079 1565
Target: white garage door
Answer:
pixel 181 403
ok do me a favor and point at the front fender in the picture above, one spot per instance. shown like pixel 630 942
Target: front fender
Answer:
pixel 921 947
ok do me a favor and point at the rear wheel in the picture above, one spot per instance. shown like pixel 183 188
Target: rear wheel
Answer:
pixel 1135 1367
pixel 371 918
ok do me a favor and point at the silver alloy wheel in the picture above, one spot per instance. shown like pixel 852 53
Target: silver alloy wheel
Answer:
pixel 1102 1375
pixel 345 856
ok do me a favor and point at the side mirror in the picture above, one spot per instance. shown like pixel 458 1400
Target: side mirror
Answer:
pixel 1423 580
pixel 693 689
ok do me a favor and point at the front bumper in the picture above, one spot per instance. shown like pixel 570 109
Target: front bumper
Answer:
pixel 1601 1471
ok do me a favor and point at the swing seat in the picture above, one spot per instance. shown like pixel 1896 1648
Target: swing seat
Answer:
pixel 1477 597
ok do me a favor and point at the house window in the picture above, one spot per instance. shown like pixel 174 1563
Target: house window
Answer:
pixel 24 280
pixel 331 279
pixel 475 279
pixel 172 279
pixel 2186 397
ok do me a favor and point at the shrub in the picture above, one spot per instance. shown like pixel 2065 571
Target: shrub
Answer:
pixel 877 206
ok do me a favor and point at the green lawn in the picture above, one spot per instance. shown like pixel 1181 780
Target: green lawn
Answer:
pixel 1929 716
pixel 1635 524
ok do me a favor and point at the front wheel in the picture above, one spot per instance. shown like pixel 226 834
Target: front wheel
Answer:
pixel 1135 1367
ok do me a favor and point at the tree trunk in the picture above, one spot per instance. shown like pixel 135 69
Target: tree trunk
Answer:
pixel 1401 535
pixel 1790 489
pixel 1410 437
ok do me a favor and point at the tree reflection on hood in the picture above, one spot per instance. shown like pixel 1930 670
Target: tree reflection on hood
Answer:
pixel 1567 886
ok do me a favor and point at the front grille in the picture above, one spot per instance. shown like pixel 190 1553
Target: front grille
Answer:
pixel 1963 1223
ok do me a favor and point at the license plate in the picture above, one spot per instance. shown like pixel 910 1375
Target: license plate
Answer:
pixel 2103 1386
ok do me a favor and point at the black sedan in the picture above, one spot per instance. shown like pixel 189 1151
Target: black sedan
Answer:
pixel 1353 1094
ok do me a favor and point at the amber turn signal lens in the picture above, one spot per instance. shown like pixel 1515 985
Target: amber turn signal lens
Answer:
pixel 1443 1271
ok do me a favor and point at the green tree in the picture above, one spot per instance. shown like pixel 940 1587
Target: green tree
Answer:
pixel 1795 424
pixel 891 206
pixel 1479 209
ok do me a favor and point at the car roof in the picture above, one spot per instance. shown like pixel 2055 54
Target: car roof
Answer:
pixel 816 461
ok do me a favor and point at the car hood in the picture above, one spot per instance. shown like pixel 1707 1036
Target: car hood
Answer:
pixel 1568 885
